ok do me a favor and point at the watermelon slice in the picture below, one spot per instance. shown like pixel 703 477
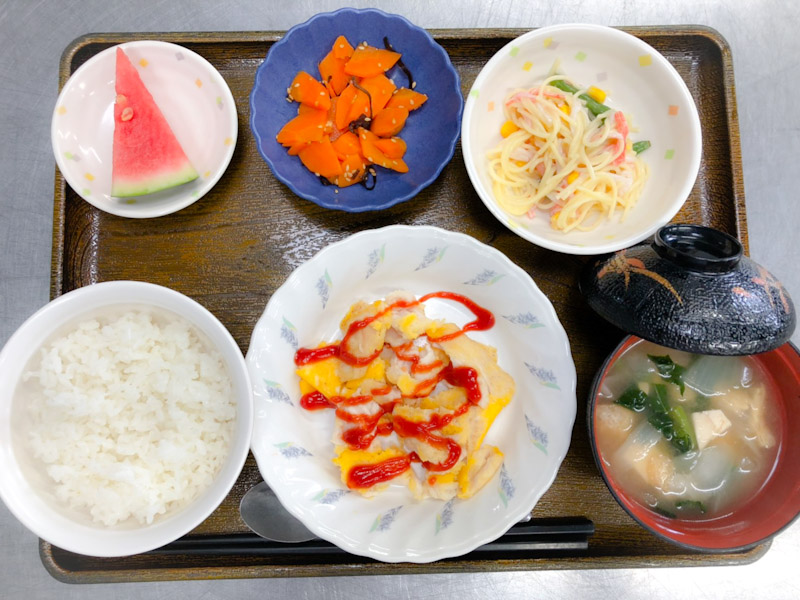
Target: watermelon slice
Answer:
pixel 147 155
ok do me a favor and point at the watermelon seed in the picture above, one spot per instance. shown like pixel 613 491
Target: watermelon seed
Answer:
pixel 127 114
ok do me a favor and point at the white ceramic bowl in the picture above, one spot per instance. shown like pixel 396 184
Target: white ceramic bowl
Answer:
pixel 192 95
pixel 17 483
pixel 293 446
pixel 638 80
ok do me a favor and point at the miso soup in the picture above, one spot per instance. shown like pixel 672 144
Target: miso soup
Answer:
pixel 690 436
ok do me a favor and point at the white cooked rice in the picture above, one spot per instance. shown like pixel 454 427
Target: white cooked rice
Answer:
pixel 131 414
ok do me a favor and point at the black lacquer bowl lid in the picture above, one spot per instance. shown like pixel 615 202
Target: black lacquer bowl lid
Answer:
pixel 692 289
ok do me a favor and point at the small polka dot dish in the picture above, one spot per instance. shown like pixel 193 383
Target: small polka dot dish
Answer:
pixel 623 85
pixel 191 94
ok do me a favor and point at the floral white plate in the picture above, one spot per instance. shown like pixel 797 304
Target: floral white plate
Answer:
pixel 292 446
pixel 195 100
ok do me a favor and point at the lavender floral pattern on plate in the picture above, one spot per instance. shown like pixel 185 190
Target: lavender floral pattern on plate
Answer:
pixel 506 488
pixel 384 522
pixel 292 450
pixel 545 376
pixel 445 518
pixel 289 333
pixel 323 287
pixel 538 436
pixel 528 320
pixel 330 496
pixel 375 259
pixel 432 255
pixel 276 392
pixel 485 277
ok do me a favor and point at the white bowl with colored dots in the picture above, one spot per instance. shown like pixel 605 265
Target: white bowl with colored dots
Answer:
pixel 193 97
pixel 636 80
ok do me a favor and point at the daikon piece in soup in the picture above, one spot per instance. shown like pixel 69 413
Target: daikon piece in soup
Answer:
pixel 691 436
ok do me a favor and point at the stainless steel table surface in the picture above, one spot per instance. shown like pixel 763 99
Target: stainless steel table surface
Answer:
pixel 765 47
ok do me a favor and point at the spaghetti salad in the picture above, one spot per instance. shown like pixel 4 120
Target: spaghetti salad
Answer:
pixel 565 153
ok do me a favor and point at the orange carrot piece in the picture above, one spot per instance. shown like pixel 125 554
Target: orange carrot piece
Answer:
pixel 343 105
pixel 319 135
pixel 406 98
pixel 307 90
pixel 331 69
pixel 380 88
pixel 342 48
pixel 330 120
pixel 294 149
pixel 389 122
pixel 361 106
pixel 353 169
pixel 305 109
pixel 374 155
pixel 397 164
pixel 368 61
pixel 393 147
pixel 347 143
pixel 305 127
pixel 320 158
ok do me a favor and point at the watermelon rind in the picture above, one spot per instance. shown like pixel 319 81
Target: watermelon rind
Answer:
pixel 127 188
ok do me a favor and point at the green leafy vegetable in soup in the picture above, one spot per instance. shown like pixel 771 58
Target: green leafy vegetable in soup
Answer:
pixel 669 370
pixel 671 421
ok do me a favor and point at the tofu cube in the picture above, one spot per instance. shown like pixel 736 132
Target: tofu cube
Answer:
pixel 709 424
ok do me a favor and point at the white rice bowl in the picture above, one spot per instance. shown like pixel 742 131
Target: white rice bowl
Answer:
pixel 130 415
pixel 122 424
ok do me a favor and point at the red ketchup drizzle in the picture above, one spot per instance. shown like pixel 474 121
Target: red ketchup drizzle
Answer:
pixel 425 387
pixel 465 377
pixel 315 401
pixel 389 406
pixel 361 435
pixel 483 320
pixel 310 355
pixel 414 359
pixel 385 428
pixel 359 438
pixel 352 400
pixel 368 427
pixel 365 476
pixel 422 432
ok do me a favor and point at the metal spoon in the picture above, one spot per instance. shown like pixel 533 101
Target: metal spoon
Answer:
pixel 263 513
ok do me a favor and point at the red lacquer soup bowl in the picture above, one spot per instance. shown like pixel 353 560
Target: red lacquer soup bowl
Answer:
pixel 756 518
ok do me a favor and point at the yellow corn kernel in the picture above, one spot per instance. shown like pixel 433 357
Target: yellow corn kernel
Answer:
pixel 508 128
pixel 564 108
pixel 595 93
pixel 572 177
pixel 519 163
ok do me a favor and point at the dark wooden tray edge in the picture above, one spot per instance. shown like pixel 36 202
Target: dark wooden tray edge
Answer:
pixel 342 570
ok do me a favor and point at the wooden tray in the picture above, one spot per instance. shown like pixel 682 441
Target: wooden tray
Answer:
pixel 234 248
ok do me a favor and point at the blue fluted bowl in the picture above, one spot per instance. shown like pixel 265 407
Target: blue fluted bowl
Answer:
pixel 431 131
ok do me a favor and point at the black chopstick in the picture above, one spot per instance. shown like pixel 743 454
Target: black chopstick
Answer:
pixel 538 535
